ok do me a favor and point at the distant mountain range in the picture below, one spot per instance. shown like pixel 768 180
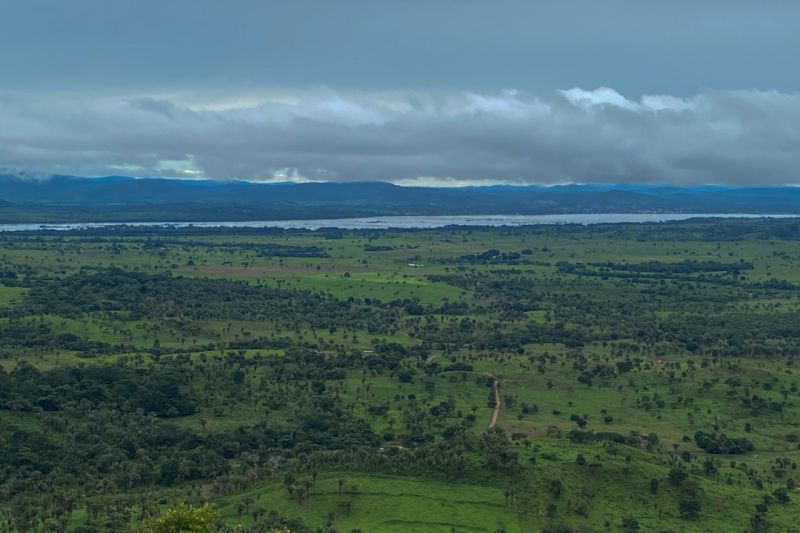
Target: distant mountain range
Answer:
pixel 125 199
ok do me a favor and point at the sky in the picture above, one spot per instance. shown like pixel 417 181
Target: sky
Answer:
pixel 436 92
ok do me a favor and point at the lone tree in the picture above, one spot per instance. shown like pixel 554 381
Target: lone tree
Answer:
pixel 183 519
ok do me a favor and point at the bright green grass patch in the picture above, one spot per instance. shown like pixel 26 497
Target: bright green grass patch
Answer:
pixel 390 504
pixel 11 295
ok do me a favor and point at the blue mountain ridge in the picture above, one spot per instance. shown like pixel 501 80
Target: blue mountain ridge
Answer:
pixel 237 198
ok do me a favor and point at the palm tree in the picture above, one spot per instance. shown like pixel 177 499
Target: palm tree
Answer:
pixel 241 508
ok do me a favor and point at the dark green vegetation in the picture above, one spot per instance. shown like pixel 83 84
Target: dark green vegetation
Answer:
pixel 122 199
pixel 646 378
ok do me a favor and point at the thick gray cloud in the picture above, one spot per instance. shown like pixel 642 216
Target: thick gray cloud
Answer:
pixel 576 135
pixel 636 46
pixel 236 89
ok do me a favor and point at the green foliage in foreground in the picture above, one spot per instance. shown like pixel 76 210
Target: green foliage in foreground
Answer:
pixel 182 519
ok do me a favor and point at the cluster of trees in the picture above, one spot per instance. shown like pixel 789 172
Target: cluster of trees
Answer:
pixel 30 334
pixel 492 256
pixel 665 270
pixel 111 424
pixel 130 295
pixel 720 443
pixel 162 391
pixel 657 314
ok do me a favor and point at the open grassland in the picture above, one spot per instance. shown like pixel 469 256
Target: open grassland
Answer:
pixel 647 377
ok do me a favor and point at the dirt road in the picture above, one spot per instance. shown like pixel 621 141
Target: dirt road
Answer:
pixel 496 411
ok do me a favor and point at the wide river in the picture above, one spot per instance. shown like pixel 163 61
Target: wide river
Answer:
pixel 406 222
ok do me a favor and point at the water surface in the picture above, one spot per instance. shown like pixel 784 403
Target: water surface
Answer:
pixel 406 222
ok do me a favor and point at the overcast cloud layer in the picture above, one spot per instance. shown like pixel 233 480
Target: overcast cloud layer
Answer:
pixel 575 135
pixel 680 47
pixel 412 91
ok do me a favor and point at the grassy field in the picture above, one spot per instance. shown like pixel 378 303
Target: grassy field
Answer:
pixel 371 357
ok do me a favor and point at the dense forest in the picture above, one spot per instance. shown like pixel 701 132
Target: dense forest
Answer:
pixel 611 377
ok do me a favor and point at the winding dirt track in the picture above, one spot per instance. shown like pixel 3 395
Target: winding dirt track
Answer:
pixel 496 411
